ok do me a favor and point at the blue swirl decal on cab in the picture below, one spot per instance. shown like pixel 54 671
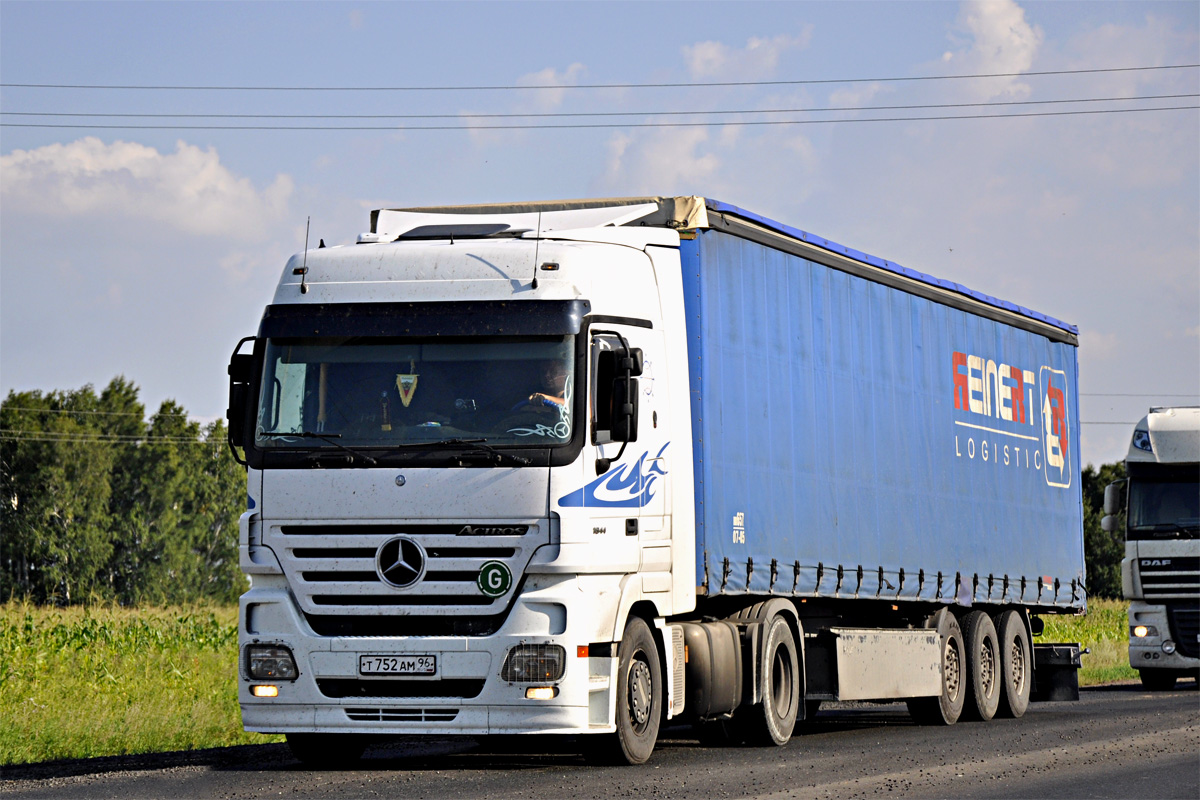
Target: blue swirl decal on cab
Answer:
pixel 631 486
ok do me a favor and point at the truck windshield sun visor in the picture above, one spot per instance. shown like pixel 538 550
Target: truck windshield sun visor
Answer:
pixel 482 318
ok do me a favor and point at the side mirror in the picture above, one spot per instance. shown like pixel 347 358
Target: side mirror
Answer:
pixel 1108 524
pixel 241 374
pixel 625 409
pixel 1114 498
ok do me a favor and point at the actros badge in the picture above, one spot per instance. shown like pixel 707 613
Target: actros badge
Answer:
pixel 400 562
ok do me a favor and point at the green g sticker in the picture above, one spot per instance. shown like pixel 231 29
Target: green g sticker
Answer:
pixel 494 579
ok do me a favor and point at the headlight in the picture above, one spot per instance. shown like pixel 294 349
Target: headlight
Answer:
pixel 1142 631
pixel 1141 440
pixel 270 662
pixel 534 663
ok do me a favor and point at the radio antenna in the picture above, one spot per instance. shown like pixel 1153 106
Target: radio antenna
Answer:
pixel 302 271
pixel 537 245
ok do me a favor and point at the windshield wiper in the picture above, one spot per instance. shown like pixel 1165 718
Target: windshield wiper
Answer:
pixel 476 444
pixel 325 437
pixel 1165 529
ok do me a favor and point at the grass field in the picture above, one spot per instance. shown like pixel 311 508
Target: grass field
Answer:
pixel 78 682
pixel 1105 630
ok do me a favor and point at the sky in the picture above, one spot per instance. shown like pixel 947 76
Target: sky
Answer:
pixel 149 250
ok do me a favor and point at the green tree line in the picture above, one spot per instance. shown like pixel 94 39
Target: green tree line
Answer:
pixel 100 504
pixel 97 503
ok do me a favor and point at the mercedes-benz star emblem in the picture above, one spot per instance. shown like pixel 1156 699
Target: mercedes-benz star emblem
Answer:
pixel 400 562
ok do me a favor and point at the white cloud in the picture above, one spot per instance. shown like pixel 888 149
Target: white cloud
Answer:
pixel 553 97
pixel 1001 41
pixel 189 191
pixel 758 59
pixel 660 162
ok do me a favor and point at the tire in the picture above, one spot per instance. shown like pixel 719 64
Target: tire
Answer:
pixel 327 750
pixel 771 722
pixel 1157 680
pixel 639 696
pixel 1016 664
pixel 983 666
pixel 946 708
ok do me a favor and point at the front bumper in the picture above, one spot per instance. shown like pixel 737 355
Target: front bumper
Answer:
pixel 467 695
pixel 1147 652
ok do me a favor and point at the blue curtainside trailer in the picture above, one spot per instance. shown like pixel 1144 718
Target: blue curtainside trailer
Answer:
pixel 865 431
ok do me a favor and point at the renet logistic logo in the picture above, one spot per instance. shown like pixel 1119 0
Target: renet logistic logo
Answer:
pixel 1008 417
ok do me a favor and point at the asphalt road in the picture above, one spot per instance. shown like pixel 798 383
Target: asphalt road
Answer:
pixel 1117 742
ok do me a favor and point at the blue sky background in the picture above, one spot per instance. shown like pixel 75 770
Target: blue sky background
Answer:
pixel 149 253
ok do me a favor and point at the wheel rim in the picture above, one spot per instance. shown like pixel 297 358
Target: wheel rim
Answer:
pixel 1016 657
pixel 639 691
pixel 987 667
pixel 953 670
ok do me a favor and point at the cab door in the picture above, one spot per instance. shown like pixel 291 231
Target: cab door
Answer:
pixel 628 445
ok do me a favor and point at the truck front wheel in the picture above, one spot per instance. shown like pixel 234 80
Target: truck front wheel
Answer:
pixel 639 696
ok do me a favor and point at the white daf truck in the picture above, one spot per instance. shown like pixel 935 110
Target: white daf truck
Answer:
pixel 587 467
pixel 1160 573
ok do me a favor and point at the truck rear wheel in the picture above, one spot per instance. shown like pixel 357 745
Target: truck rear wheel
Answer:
pixel 946 707
pixel 639 696
pixel 772 721
pixel 983 666
pixel 326 750
pixel 1016 664
pixel 1157 680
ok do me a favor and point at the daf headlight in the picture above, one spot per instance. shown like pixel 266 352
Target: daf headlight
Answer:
pixel 534 663
pixel 1142 631
pixel 270 662
pixel 1141 440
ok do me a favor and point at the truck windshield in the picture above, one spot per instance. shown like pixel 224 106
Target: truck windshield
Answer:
pixel 375 392
pixel 1164 508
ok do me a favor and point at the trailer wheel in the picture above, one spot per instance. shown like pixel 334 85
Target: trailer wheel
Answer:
pixel 983 666
pixel 639 696
pixel 326 750
pixel 1157 680
pixel 1016 664
pixel 771 722
pixel 946 707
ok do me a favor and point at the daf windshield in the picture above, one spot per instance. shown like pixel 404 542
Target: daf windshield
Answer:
pixel 1164 508
pixel 391 393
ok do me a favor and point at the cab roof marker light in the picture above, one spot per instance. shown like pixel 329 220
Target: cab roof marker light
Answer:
pixel 1141 440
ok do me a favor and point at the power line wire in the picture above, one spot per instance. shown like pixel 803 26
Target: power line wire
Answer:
pixel 112 438
pixel 108 413
pixel 566 114
pixel 679 85
pixel 1139 394
pixel 575 126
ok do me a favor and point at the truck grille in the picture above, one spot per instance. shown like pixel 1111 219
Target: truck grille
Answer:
pixel 1170 578
pixel 402 714
pixel 338 688
pixel 1185 628
pixel 331 569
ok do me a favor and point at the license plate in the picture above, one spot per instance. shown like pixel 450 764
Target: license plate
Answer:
pixel 397 665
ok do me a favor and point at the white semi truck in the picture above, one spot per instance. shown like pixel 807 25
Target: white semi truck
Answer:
pixel 1160 573
pixel 587 467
